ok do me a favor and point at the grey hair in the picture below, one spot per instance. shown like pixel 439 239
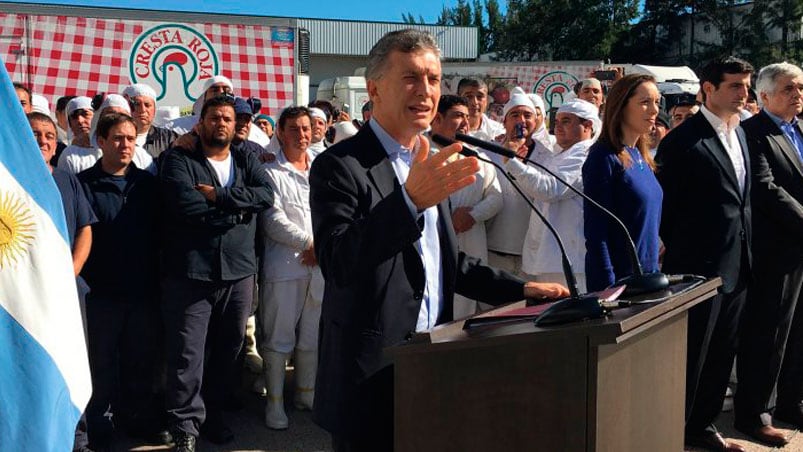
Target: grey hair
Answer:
pixel 471 82
pixel 408 40
pixel 768 76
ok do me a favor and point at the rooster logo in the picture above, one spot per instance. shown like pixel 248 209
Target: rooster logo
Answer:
pixel 175 60
pixel 554 86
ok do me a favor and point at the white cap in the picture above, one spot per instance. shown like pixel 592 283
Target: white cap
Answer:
pixel 537 101
pixel 139 89
pixel 583 110
pixel 317 113
pixel 115 100
pixel 40 104
pixel 343 130
pixel 165 114
pixel 79 103
pixel 217 79
pixel 518 98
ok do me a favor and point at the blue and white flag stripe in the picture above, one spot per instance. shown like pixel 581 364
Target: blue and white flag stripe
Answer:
pixel 44 371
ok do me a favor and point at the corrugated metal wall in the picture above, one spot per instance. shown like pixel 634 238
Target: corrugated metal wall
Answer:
pixel 341 37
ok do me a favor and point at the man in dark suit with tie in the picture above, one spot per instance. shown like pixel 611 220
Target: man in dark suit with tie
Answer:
pixel 386 245
pixel 771 336
pixel 704 170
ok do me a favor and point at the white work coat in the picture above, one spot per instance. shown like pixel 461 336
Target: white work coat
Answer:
pixel 562 207
pixel 484 197
pixel 75 159
pixel 286 227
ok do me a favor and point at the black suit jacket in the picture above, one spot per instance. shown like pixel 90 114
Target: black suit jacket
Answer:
pixel 364 239
pixel 706 218
pixel 777 194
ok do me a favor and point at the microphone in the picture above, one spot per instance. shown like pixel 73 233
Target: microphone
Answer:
pixel 638 282
pixel 568 272
pixel 571 309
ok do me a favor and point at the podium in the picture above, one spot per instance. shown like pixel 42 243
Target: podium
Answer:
pixel 612 384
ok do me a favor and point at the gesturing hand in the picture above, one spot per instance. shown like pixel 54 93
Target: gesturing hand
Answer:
pixel 432 179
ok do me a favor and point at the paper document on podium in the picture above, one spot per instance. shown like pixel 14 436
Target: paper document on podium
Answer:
pixel 532 312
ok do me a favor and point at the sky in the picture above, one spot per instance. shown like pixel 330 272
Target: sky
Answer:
pixel 368 10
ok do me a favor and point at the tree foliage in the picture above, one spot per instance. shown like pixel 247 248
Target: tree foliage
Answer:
pixel 644 31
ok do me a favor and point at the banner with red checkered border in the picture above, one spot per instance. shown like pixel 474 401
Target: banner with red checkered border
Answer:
pixel 66 55
pixel 551 81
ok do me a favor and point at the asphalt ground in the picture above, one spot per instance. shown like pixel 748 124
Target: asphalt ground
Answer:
pixel 250 432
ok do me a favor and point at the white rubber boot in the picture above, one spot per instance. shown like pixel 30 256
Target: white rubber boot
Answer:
pixel 275 416
pixel 253 361
pixel 306 364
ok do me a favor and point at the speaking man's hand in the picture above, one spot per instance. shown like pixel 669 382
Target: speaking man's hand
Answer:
pixel 432 179
pixel 545 290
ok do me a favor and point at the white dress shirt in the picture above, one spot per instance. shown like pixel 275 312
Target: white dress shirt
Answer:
pixel 726 131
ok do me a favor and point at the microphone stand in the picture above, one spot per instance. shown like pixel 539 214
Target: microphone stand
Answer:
pixel 568 272
pixel 571 309
pixel 638 282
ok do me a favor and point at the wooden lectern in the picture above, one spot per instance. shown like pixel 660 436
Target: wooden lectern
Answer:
pixel 613 384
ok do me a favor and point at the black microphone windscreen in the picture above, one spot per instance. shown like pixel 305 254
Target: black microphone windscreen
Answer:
pixel 487 145
pixel 441 140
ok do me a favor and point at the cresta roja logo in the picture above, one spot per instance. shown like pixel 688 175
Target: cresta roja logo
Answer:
pixel 554 86
pixel 175 60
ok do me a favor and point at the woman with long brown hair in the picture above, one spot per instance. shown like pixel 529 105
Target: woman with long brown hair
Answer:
pixel 619 174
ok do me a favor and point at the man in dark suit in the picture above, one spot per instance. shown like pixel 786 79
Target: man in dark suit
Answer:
pixel 704 171
pixel 771 334
pixel 385 242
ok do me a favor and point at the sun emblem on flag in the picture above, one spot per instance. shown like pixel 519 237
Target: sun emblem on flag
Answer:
pixel 16 229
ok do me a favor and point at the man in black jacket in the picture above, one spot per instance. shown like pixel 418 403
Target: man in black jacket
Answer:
pixel 704 170
pixel 385 241
pixel 771 333
pixel 123 322
pixel 212 195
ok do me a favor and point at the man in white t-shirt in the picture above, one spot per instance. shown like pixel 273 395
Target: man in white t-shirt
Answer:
pixel 215 86
pixel 79 119
pixel 211 196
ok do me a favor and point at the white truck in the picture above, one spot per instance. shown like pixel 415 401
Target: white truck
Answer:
pixel 65 50
pixel 348 94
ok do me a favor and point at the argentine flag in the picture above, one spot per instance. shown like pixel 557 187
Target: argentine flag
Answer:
pixel 44 372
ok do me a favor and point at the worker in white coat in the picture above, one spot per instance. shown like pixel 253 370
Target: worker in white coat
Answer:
pixel 291 285
pixel 577 124
pixel 472 205
pixel 76 159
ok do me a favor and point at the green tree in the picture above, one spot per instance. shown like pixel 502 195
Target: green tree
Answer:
pixel 483 14
pixel 565 29
pixel 408 18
